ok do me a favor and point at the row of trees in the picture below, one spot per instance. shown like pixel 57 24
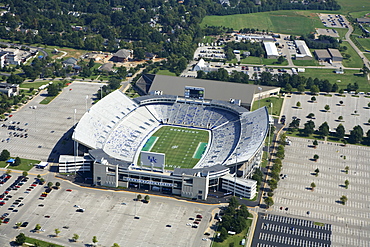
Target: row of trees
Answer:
pixel 234 219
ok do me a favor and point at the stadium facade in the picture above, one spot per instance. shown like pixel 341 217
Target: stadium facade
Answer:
pixel 114 131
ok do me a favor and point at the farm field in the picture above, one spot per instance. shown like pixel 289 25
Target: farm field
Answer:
pixel 181 145
pixel 355 61
pixel 284 21
pixel 341 80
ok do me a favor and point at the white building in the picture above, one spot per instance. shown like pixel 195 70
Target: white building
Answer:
pixel 304 51
pixel 243 187
pixel 271 50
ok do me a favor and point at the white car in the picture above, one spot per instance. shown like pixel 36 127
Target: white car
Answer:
pixel 205 239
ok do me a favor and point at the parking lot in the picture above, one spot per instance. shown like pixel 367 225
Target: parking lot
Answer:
pixel 45 126
pixel 277 230
pixel 346 110
pixel 113 217
pixel 350 222
pixel 333 20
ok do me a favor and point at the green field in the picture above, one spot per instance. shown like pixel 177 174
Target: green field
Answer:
pixel 25 165
pixel 276 104
pixel 365 43
pixel 165 72
pixel 236 239
pixel 311 62
pixel 183 146
pixel 355 61
pixel 284 21
pixel 342 80
pixel 353 6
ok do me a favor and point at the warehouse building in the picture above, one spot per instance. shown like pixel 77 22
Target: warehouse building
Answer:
pixel 271 50
pixel 304 51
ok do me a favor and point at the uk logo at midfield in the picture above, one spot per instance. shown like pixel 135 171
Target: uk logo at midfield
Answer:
pixel 152 159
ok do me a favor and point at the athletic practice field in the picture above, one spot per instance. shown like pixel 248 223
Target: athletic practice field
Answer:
pixel 183 146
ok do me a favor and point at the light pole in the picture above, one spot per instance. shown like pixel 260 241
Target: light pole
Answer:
pixel 86 98
pixel 35 107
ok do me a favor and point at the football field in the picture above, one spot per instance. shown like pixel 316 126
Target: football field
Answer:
pixel 183 147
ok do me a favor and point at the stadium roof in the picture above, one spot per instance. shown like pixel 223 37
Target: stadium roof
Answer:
pixel 219 90
pixel 271 49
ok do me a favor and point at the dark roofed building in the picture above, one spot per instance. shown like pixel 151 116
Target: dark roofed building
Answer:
pixel 217 90
pixel 122 55
pixel 70 61
pixel 363 20
pixel 335 55
pixel 108 67
pixel 149 56
pixel 322 55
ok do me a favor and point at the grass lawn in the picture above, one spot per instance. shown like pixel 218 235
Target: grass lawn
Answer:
pixel 40 242
pixel 342 80
pixel 367 55
pixel 207 39
pixel 179 144
pixel 355 61
pixel 76 53
pixel 311 62
pixel 251 60
pixel 236 239
pixel 284 21
pixel 34 85
pixel 165 72
pixel 364 42
pixel 25 165
pixel 47 100
pixel 276 104
pixel 353 6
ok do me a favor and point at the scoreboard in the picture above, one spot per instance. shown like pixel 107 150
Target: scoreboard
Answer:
pixel 194 92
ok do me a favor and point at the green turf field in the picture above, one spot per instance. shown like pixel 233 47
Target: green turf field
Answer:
pixel 183 146
pixel 284 21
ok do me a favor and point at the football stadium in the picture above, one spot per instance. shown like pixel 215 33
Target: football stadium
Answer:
pixel 179 145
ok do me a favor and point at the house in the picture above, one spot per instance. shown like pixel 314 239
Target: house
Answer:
pixel 150 56
pixel 108 67
pixel 70 62
pixel 2 58
pixel 9 89
pixel 122 55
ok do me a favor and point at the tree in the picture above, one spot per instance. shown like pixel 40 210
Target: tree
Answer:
pixel 313 99
pixel 147 198
pixel 4 155
pixel 311 115
pixel 346 169
pixel 365 70
pixel 315 143
pixel 313 185
pixel 314 89
pixel 356 134
pixel 57 184
pixel 269 201
pixel 94 240
pixel 57 231
pixel 344 199
pixel 75 237
pixel 346 183
pixel 37 227
pixel 273 184
pixel 20 239
pixel 317 172
pixel 115 245
pixel 38 176
pixel 298 104
pixel 280 60
pixel 50 184
pixel 8 171
pixel 24 174
pixel 315 157
pixel 340 118
pixel 17 161
pixel 339 132
pixel 341 102
pixel 139 197
pixel 223 234
pixel 368 105
pixel 327 108
pixel 308 128
pixel 233 203
pixel 53 90
pixel 324 129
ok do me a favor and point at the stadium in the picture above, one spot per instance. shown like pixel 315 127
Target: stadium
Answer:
pixel 179 145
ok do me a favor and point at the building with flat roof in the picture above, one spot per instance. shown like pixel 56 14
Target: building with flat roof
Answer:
pixel 9 89
pixel 246 94
pixel 322 55
pixel 271 50
pixel 335 54
pixel 304 51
